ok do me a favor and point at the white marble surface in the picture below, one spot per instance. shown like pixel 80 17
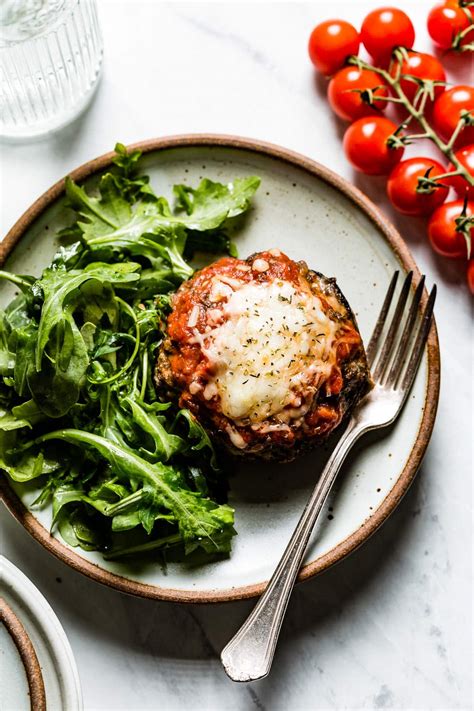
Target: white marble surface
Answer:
pixel 391 626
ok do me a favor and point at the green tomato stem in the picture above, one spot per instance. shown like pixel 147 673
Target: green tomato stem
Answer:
pixel 414 136
pixel 459 127
pixel 451 174
pixel 466 30
pixel 388 99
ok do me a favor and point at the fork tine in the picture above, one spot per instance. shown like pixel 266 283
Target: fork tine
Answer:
pixel 421 337
pixel 384 357
pixel 401 355
pixel 380 323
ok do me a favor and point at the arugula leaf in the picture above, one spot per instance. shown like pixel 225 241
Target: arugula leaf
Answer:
pixel 26 414
pixel 7 357
pixel 25 344
pixel 56 386
pixel 203 208
pixel 79 528
pixel 59 286
pixel 151 229
pixel 198 434
pixel 110 490
pixel 9 422
pixel 29 412
pixel 210 204
pixel 24 282
pixel 213 242
pixel 138 549
pixel 24 466
pixel 164 445
pixel 126 161
pixel 110 210
pixel 68 494
pixel 202 522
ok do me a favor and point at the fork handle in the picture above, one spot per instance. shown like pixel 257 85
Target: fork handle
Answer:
pixel 249 654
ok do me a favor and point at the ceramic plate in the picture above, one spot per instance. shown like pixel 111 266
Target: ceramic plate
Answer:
pixel 311 214
pixel 37 669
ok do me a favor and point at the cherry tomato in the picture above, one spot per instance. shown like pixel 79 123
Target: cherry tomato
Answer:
pixel 331 43
pixel 384 29
pixel 445 22
pixel 403 182
pixel 365 145
pixel 463 5
pixel 442 229
pixel 470 275
pixel 447 112
pixel 346 102
pixel 422 66
pixel 466 157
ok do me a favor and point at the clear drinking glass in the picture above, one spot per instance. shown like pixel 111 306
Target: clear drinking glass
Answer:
pixel 50 62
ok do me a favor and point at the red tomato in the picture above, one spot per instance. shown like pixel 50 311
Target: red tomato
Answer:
pixel 445 22
pixel 466 157
pixel 442 231
pixel 457 3
pixel 464 5
pixel 470 275
pixel 365 145
pixel 346 102
pixel 421 66
pixel 331 43
pixel 403 183
pixel 384 29
pixel 447 112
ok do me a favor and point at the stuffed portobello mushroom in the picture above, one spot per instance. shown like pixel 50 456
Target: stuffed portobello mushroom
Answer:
pixel 266 354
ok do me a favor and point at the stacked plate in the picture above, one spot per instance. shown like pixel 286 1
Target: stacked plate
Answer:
pixel 37 668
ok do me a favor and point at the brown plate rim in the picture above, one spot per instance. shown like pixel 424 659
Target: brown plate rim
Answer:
pixel 27 654
pixel 388 505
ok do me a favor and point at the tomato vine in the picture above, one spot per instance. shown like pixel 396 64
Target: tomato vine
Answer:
pixel 416 83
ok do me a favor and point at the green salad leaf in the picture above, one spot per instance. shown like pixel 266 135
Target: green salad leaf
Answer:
pixel 59 287
pixel 126 473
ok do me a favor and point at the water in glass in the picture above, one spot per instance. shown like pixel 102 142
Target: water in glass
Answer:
pixel 50 62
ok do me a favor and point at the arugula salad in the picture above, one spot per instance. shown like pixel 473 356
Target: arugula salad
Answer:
pixel 79 416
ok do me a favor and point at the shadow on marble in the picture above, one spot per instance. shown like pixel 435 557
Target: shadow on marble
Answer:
pixel 63 140
pixel 320 85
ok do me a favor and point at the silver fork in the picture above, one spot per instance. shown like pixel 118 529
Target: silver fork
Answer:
pixel 394 363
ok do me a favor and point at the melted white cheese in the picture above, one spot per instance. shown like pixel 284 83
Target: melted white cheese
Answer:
pixel 274 346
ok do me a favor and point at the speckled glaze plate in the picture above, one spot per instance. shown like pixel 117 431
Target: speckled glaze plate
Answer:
pixel 311 214
pixel 37 668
